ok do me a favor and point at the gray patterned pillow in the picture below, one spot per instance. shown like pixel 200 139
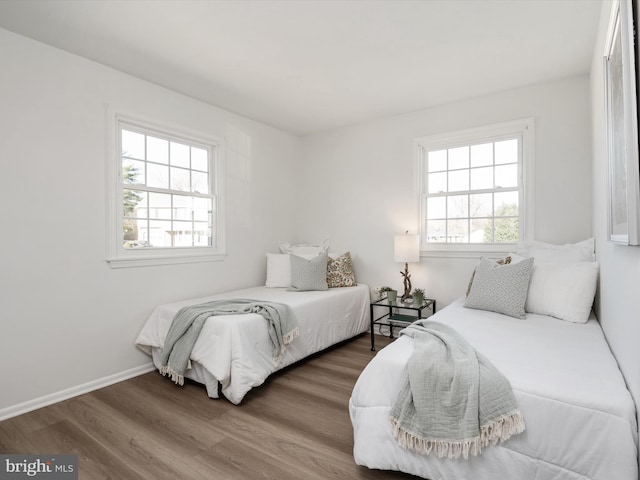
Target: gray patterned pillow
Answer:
pixel 500 288
pixel 308 274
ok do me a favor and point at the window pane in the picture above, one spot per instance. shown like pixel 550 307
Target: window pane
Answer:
pixel 201 234
pixel 482 155
pixel 481 178
pixel 458 206
pixel 437 182
pixel 199 182
pixel 506 204
pixel 157 150
pixel 457 231
pixel 506 230
pixel 199 159
pixel 182 207
pixel 159 205
pixel 481 231
pixel 182 234
pixel 132 171
pixel 458 180
pixel 179 155
pixel 201 209
pixel 157 175
pixel 159 233
pixel 436 231
pixel 437 207
pixel 180 179
pixel 481 205
pixel 458 158
pixel 132 144
pixel 134 203
pixel 136 233
pixel 507 176
pixel 507 151
pixel 437 161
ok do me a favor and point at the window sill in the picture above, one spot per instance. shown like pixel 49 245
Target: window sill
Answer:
pixel 148 261
pixel 467 251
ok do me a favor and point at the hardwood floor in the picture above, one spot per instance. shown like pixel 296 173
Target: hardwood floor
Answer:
pixel 295 426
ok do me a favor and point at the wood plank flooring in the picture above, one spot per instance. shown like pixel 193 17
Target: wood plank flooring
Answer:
pixel 295 426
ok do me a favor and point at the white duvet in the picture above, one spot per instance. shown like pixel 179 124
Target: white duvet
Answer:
pixel 580 418
pixel 235 350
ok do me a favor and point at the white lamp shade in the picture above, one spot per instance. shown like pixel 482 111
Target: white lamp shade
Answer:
pixel 406 248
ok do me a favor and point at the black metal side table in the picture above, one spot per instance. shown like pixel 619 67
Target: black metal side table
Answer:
pixel 393 318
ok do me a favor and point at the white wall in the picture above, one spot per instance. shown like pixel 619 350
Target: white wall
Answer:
pixel 359 188
pixel 618 301
pixel 67 317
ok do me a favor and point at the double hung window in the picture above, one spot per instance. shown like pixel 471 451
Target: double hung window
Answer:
pixel 475 187
pixel 166 195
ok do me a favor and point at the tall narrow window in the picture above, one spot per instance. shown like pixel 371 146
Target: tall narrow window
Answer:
pixel 473 186
pixel 166 194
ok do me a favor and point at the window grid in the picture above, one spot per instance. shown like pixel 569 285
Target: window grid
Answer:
pixel 462 226
pixel 182 180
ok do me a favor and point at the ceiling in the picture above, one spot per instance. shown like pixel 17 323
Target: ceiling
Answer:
pixel 306 66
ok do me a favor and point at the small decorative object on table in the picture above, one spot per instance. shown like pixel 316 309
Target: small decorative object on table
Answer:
pixel 388 292
pixel 418 296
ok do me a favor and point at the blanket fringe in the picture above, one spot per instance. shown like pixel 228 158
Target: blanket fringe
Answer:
pixel 290 337
pixel 286 340
pixel 176 378
pixel 496 431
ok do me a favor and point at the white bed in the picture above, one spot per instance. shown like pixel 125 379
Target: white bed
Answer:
pixel 580 418
pixel 234 352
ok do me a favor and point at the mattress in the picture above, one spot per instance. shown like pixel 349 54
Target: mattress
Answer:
pixel 580 418
pixel 233 353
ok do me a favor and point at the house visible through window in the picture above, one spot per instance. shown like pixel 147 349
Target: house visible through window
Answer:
pixel 166 194
pixel 473 187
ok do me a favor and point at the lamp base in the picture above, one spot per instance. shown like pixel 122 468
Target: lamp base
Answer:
pixel 406 280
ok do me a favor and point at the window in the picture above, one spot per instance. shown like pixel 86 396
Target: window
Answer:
pixel 165 196
pixel 475 189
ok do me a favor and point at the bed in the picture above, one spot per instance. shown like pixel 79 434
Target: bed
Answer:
pixel 233 353
pixel 580 418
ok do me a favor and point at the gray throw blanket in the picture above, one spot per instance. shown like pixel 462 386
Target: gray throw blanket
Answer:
pixel 188 322
pixel 452 400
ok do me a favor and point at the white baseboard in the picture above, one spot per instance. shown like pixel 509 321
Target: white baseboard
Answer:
pixel 56 397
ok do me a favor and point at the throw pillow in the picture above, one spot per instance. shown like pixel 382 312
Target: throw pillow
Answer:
pixel 308 274
pixel 500 288
pixel 340 271
pixel 500 261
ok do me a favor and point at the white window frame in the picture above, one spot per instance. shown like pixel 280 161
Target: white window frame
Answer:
pixel 117 255
pixel 525 129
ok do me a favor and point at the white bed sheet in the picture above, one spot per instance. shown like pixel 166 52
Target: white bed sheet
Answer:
pixel 580 418
pixel 235 350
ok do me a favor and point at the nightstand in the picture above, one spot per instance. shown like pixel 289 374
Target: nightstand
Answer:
pixel 393 316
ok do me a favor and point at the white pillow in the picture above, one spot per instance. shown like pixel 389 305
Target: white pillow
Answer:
pixel 550 253
pixel 563 290
pixel 278 270
pixel 304 249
